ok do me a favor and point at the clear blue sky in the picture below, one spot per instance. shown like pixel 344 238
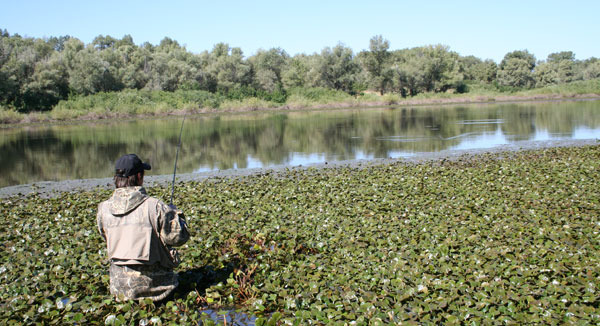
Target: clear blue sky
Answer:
pixel 485 29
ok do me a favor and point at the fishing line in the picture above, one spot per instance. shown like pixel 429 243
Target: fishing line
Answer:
pixel 176 157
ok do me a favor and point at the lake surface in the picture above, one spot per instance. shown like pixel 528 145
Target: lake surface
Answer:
pixel 241 141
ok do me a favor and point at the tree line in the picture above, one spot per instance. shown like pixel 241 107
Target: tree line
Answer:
pixel 36 73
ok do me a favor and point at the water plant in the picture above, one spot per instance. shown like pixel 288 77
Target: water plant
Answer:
pixel 495 238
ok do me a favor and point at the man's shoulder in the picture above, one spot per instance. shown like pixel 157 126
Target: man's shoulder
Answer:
pixel 154 201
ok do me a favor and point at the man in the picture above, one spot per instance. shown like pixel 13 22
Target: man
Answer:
pixel 139 231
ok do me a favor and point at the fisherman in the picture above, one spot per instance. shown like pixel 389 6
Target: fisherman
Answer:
pixel 140 232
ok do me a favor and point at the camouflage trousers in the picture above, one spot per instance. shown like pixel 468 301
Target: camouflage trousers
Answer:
pixel 132 282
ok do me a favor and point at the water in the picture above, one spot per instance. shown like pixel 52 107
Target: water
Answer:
pixel 230 317
pixel 243 141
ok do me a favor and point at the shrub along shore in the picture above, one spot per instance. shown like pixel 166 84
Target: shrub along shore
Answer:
pixel 145 103
pixel 492 238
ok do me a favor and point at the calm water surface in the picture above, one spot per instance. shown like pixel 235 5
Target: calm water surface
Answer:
pixel 210 143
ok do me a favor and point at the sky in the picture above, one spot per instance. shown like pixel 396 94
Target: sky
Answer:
pixel 485 29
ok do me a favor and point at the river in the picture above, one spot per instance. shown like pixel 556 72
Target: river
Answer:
pixel 272 139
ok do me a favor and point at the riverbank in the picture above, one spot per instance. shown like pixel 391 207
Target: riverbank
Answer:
pixel 139 104
pixel 495 237
pixel 54 188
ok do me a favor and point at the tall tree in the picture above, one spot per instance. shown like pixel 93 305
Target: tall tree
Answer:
pixel 426 69
pixel 48 85
pixel 516 69
pixel 171 67
pixel 560 56
pixel 559 68
pixel 476 69
pixel 91 72
pixel 228 67
pixel 297 72
pixel 268 67
pixel 337 68
pixel 375 62
pixel 102 42
pixel 592 70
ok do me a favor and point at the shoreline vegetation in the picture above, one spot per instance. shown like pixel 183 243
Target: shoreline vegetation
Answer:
pixel 143 103
pixel 63 79
pixel 488 238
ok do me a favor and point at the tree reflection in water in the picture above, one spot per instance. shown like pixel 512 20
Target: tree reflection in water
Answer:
pixel 241 141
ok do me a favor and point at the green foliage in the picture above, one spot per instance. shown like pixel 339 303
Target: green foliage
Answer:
pixel 8 115
pixel 35 74
pixel 486 239
pixel 559 68
pixel 426 69
pixel 591 86
pixel 227 67
pixel 337 69
pixel 268 67
pixel 134 101
pixel 317 95
pixel 561 56
pixel 592 71
pixel 477 70
pixel 516 70
pixel 375 62
pixel 298 72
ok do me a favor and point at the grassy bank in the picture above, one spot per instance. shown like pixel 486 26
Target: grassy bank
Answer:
pixel 131 103
pixel 484 239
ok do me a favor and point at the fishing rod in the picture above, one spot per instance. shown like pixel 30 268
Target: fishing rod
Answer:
pixel 176 157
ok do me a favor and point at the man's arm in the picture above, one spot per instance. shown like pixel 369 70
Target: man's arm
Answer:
pixel 99 223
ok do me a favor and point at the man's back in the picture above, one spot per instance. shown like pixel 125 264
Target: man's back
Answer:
pixel 139 231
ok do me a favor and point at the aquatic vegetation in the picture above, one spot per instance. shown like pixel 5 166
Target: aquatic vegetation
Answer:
pixel 501 238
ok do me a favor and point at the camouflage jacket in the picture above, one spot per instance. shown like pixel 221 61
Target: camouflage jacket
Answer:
pixel 140 232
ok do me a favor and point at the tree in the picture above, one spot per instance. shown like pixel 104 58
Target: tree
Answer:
pixel 375 62
pixel 171 67
pixel 58 43
pixel 546 74
pixel 48 85
pixel 476 69
pixel 559 68
pixel 102 42
pixel 516 70
pixel 490 71
pixel 228 68
pixel 18 59
pixel 560 56
pixel 127 40
pixel 167 44
pixel 268 67
pixel 337 68
pixel 296 72
pixel 90 73
pixel 592 71
pixel 426 69
pixel 523 55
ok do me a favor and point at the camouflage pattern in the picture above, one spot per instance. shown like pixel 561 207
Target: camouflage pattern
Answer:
pixel 126 199
pixel 131 282
pixel 140 232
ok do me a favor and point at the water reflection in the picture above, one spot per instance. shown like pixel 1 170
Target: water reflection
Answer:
pixel 289 139
pixel 230 317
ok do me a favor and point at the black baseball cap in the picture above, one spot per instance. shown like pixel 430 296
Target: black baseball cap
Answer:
pixel 130 164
